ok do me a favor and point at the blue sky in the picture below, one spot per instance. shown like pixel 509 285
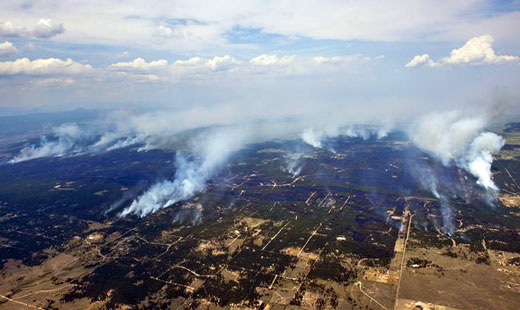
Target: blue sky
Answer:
pixel 99 54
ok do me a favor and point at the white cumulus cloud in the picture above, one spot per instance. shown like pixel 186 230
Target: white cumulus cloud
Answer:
pixel 337 60
pixel 7 49
pixel 222 63
pixel 43 66
pixel 10 29
pixel 272 60
pixel 217 63
pixel 193 61
pixel 140 64
pixel 422 60
pixel 476 51
pixel 46 28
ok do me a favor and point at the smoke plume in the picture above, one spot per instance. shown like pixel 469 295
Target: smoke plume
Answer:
pixel 191 174
pixel 447 216
pixel 312 137
pixel 315 137
pixel 429 181
pixel 190 177
pixel 64 141
pixel 293 164
pixel 479 158
pixel 458 139
pixel 211 134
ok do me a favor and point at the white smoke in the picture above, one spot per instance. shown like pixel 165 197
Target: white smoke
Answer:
pixel 447 216
pixel 65 142
pixel 429 181
pixel 480 157
pixel 313 137
pixel 128 141
pixel 446 135
pixel 293 164
pixel 71 139
pixel 190 211
pixel 356 132
pixel 191 175
pixel 452 137
pixel 456 138
pixel 367 132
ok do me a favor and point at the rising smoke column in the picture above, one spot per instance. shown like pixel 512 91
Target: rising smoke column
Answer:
pixel 448 219
pixel 365 133
pixel 480 157
pixel 293 164
pixel 191 175
pixel 69 139
pixel 430 182
pixel 315 137
pixel 458 139
pixel 66 140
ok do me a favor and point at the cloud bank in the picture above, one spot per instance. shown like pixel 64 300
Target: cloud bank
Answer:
pixel 43 67
pixel 140 64
pixel 44 29
pixel 271 60
pixel 200 24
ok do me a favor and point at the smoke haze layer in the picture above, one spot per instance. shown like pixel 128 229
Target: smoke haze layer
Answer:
pixel 210 134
